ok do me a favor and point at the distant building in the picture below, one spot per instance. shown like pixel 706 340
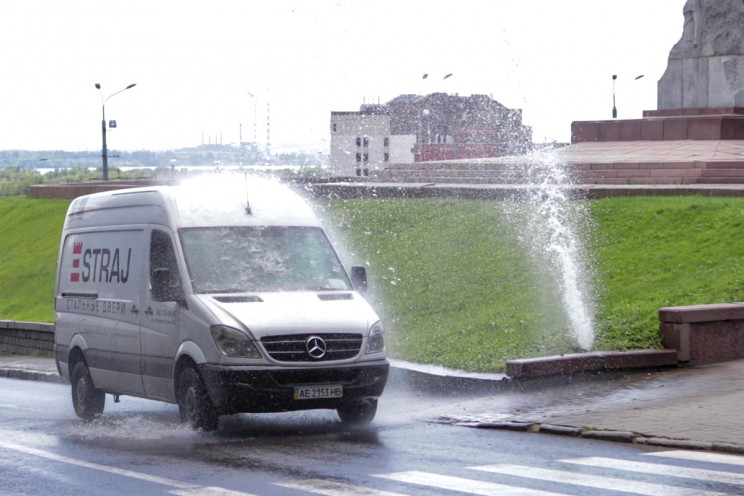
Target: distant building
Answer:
pixel 413 128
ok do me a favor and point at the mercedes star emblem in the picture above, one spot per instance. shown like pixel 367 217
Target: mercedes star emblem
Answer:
pixel 315 347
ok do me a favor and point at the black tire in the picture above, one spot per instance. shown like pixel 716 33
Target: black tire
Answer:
pixel 87 400
pixel 358 412
pixel 194 404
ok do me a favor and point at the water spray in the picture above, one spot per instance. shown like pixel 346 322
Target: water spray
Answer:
pixel 247 199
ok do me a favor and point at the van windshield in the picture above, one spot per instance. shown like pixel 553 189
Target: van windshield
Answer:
pixel 260 259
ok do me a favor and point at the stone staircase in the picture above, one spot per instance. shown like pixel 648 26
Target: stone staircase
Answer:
pixel 628 162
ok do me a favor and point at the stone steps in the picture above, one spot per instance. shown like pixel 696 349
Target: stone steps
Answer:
pixel 692 172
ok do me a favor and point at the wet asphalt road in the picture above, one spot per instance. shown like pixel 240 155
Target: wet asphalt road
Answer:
pixel 139 447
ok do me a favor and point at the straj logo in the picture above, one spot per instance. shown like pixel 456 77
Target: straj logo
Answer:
pixel 100 264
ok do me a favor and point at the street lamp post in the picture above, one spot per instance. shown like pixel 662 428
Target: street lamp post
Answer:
pixel 104 150
pixel 614 108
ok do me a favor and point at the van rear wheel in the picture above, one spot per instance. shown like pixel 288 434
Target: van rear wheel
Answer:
pixel 358 412
pixel 193 402
pixel 87 400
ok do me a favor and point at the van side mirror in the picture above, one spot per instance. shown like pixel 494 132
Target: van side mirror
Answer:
pixel 166 287
pixel 359 278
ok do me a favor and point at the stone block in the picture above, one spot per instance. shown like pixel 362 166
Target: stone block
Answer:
pixel 630 130
pixel 622 166
pixel 678 165
pixel 695 83
pixel 652 130
pixel 590 362
pixel 722 87
pixel 633 173
pixel 609 131
pixel 552 365
pixel 666 173
pixel 716 342
pixel 732 128
pixel 721 165
pixel 704 333
pixel 702 313
pixel 704 128
pixel 584 131
pixel 620 360
pixel 729 173
pixel 675 129
pixel 669 87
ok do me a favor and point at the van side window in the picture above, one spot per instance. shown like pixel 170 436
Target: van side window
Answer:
pixel 164 278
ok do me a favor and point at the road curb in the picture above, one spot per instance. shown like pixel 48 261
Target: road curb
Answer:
pixel 599 434
pixel 32 375
pixel 596 361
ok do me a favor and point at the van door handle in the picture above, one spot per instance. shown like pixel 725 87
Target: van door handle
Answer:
pixel 134 310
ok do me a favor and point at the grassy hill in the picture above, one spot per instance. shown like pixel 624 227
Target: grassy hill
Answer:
pixel 451 281
pixel 457 289
pixel 29 240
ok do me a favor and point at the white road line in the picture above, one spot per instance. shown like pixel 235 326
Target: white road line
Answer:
pixel 595 481
pixel 700 456
pixel 464 485
pixel 207 491
pixel 330 488
pixel 186 488
pixel 659 469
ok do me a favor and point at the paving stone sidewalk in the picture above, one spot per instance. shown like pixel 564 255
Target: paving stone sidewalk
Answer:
pixel 693 408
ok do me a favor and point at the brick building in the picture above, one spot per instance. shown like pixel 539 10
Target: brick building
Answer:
pixel 413 128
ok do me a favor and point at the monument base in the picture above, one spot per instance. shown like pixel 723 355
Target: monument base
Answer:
pixel 724 123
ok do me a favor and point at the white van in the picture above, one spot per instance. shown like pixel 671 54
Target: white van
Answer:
pixel 222 298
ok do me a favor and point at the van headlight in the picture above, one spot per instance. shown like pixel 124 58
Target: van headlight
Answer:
pixel 375 342
pixel 234 343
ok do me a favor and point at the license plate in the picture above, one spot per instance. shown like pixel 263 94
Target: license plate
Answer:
pixel 318 392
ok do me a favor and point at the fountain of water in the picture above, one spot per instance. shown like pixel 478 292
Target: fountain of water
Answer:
pixel 551 227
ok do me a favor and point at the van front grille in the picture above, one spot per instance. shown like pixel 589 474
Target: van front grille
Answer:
pixel 308 348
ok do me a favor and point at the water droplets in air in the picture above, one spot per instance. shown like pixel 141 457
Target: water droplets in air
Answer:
pixel 551 227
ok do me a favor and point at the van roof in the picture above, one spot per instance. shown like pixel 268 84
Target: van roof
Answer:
pixel 202 202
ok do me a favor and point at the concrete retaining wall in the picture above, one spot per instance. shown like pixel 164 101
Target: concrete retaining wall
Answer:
pixel 704 333
pixel 73 190
pixel 26 338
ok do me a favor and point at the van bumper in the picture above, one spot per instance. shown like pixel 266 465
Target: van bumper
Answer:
pixel 250 390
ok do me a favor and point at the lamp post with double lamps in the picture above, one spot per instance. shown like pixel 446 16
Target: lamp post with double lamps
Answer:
pixel 614 107
pixel 104 151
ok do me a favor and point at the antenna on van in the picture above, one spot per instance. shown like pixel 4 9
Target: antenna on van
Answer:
pixel 247 201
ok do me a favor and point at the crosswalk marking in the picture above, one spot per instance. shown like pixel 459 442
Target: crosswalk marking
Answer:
pixel 659 469
pixel 595 481
pixel 701 456
pixel 615 483
pixel 207 491
pixel 464 485
pixel 331 488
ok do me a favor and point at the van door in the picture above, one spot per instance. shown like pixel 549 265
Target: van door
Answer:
pixel 162 317
pixel 100 291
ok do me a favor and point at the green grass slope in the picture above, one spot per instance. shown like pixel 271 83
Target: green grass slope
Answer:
pixel 456 289
pixel 663 251
pixel 29 239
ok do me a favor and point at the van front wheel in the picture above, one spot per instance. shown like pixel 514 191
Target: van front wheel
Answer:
pixel 193 402
pixel 87 400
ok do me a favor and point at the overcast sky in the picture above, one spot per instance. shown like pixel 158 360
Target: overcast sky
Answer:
pixel 195 64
